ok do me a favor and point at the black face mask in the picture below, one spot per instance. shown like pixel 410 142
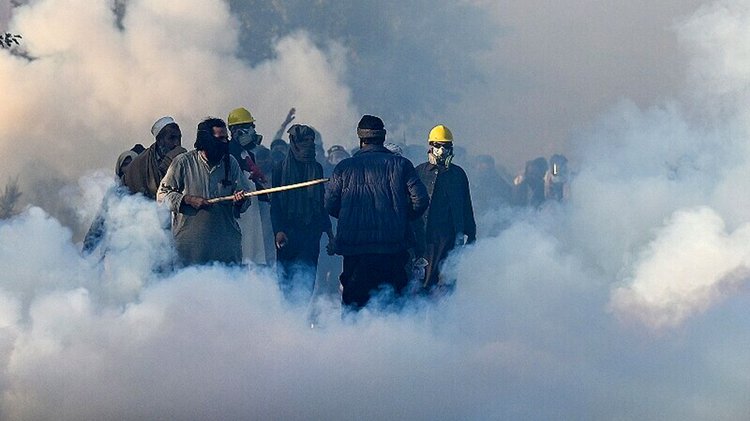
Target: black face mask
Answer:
pixel 215 150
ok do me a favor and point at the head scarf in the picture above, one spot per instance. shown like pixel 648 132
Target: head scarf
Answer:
pixel 119 170
pixel 301 205
pixel 302 151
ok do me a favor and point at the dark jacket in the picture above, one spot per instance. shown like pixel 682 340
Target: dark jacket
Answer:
pixel 450 212
pixel 318 219
pixel 374 195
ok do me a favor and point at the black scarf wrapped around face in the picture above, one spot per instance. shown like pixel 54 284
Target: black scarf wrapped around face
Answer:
pixel 304 205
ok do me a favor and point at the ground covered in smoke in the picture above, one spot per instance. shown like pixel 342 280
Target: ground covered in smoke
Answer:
pixel 627 302
pixel 528 334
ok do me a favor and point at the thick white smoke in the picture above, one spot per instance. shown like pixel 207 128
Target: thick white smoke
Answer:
pixel 93 90
pixel 654 234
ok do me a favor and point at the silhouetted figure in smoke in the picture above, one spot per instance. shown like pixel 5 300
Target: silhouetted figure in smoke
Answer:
pixel 279 150
pixel 335 154
pixel 288 120
pixel 205 232
pixel 148 168
pixel 529 188
pixel 449 220
pixel 556 179
pixel 374 194
pixel 278 146
pixel 98 229
pixel 299 216
pixel 491 191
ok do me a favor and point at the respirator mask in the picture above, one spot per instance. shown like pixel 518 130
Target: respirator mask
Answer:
pixel 247 136
pixel 440 154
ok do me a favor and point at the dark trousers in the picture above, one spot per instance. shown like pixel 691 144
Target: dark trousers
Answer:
pixel 366 275
pixel 297 264
pixel 436 251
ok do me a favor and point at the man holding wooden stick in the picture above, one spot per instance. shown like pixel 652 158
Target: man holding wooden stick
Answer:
pixel 206 231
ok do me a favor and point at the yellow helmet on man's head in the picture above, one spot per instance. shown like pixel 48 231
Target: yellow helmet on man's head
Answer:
pixel 239 116
pixel 440 133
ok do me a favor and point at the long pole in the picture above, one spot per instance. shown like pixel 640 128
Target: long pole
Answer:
pixel 271 190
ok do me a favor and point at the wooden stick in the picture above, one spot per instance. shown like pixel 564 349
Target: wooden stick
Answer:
pixel 271 190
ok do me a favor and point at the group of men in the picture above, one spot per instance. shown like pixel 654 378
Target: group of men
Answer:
pixel 389 214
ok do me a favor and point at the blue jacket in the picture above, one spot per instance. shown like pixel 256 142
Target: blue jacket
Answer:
pixel 374 195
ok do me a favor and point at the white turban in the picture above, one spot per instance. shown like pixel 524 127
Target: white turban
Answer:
pixel 160 124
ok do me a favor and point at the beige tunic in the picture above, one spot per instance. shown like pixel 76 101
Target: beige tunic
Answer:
pixel 210 234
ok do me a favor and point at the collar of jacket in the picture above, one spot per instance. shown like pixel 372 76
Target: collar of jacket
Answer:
pixel 441 168
pixel 372 147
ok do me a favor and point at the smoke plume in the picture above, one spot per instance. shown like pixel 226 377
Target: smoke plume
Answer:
pixel 627 301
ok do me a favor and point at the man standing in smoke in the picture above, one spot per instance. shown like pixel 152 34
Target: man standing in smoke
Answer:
pixel 98 229
pixel 244 141
pixel 556 179
pixel 374 194
pixel 245 146
pixel 449 220
pixel 528 189
pixel 299 216
pixel 206 232
pixel 145 172
pixel 491 190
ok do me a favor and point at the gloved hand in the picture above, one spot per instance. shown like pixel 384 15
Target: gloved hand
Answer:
pixel 281 239
pixel 196 202
pixel 460 241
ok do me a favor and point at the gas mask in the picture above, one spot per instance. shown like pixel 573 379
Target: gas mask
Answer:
pixel 440 154
pixel 248 138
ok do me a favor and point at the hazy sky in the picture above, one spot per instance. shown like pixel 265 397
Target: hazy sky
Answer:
pixel 4 13
pixel 628 301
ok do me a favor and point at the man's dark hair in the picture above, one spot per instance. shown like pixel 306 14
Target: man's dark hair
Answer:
pixel 206 131
pixel 205 135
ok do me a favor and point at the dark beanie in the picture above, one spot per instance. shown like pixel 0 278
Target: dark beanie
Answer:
pixel 370 127
pixel 370 122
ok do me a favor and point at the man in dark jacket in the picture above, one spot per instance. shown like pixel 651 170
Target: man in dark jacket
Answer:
pixel 374 195
pixel 299 217
pixel 449 221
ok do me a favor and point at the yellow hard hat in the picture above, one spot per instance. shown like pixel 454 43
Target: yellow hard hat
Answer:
pixel 440 133
pixel 239 116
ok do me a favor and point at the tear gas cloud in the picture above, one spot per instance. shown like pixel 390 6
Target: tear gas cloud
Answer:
pixel 627 302
pixel 93 90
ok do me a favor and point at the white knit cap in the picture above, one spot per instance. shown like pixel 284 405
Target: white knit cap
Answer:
pixel 160 124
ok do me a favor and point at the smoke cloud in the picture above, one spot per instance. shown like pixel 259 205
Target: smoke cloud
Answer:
pixel 628 301
pixel 93 90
